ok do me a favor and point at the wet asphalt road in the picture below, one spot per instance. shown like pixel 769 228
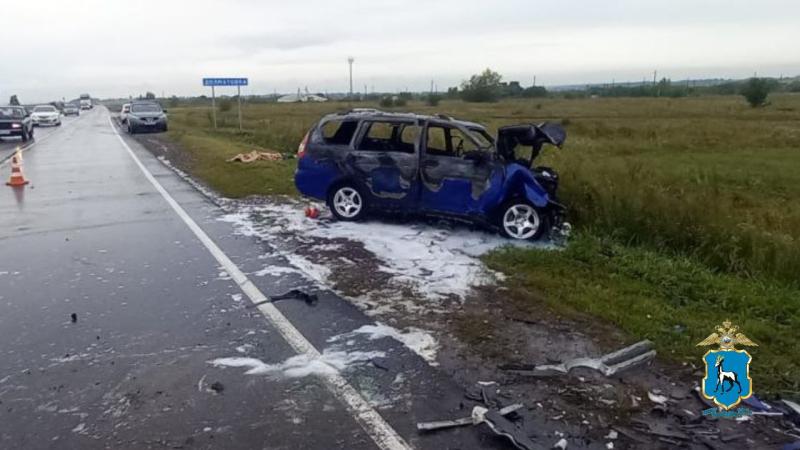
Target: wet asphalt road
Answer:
pixel 91 236
pixel 8 145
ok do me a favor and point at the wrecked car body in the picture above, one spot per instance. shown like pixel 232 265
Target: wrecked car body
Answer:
pixel 367 160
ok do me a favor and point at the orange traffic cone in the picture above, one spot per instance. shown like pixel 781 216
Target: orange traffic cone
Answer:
pixel 17 178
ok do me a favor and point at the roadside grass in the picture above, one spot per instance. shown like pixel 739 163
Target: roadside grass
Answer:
pixel 672 300
pixel 207 155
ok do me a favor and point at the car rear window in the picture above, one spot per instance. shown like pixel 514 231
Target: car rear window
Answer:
pixel 338 132
pixel 15 113
pixel 146 107
pixel 384 136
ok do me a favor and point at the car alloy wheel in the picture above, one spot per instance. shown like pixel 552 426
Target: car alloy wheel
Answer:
pixel 521 221
pixel 347 203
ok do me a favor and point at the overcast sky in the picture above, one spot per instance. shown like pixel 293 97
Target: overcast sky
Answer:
pixel 57 48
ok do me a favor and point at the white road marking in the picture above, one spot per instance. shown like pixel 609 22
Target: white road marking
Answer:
pixel 370 420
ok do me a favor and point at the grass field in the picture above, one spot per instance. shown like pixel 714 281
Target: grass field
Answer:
pixel 687 210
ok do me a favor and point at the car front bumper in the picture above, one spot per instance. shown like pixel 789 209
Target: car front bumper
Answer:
pixel 46 122
pixel 145 124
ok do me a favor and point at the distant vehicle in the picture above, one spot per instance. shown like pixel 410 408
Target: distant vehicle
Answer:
pixel 15 121
pixel 46 115
pixel 123 114
pixel 367 161
pixel 86 101
pixel 71 109
pixel 146 116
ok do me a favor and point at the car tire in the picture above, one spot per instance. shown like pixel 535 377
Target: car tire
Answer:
pixel 58 124
pixel 24 135
pixel 165 128
pixel 521 220
pixel 347 202
pixel 131 129
pixel 30 133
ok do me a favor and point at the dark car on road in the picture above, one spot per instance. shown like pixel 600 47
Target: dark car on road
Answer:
pixel 146 116
pixel 369 161
pixel 15 121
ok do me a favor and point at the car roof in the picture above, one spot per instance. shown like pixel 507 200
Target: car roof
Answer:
pixel 370 114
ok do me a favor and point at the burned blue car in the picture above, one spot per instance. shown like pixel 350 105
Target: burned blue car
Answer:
pixel 367 161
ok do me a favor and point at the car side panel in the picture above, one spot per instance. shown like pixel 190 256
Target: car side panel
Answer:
pixel 315 173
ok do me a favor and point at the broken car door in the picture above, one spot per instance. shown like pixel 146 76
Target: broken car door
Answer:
pixel 456 173
pixel 385 160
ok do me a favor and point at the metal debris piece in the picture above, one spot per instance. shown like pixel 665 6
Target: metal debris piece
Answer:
pixel 310 299
pixel 608 364
pixel 504 427
pixel 658 399
pixel 477 412
pixel 794 406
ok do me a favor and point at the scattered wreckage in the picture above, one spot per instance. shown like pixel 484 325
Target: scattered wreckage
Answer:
pixel 366 161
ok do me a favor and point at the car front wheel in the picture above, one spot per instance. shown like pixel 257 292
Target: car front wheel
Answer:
pixel 523 221
pixel 347 203
pixel 25 135
pixel 131 129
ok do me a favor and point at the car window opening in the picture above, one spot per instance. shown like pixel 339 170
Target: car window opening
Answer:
pixel 338 132
pixel 383 136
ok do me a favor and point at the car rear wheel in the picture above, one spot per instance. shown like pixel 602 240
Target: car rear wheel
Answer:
pixel 522 221
pixel 347 203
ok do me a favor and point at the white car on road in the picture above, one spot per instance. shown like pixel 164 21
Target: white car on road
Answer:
pixel 46 115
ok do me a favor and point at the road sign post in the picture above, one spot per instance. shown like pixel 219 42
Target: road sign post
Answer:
pixel 213 107
pixel 239 98
pixel 213 82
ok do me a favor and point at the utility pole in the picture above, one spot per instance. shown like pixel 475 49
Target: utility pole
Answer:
pixel 534 80
pixel 350 60
pixel 655 73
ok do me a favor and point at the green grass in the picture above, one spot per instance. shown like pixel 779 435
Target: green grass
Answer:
pixel 687 210
pixel 207 154
pixel 674 301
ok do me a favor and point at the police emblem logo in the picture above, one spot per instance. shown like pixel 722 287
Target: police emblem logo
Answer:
pixel 727 376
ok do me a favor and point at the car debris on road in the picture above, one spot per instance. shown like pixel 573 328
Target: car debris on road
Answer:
pixel 609 364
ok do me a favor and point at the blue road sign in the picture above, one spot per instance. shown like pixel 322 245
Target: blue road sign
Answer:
pixel 224 81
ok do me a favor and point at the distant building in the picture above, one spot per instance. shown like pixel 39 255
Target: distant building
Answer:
pixel 301 98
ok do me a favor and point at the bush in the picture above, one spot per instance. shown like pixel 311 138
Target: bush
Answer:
pixel 535 92
pixel 225 105
pixel 391 101
pixel 433 100
pixel 756 91
pixel 484 87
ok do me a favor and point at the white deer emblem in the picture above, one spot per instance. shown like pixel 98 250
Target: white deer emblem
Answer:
pixel 723 376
